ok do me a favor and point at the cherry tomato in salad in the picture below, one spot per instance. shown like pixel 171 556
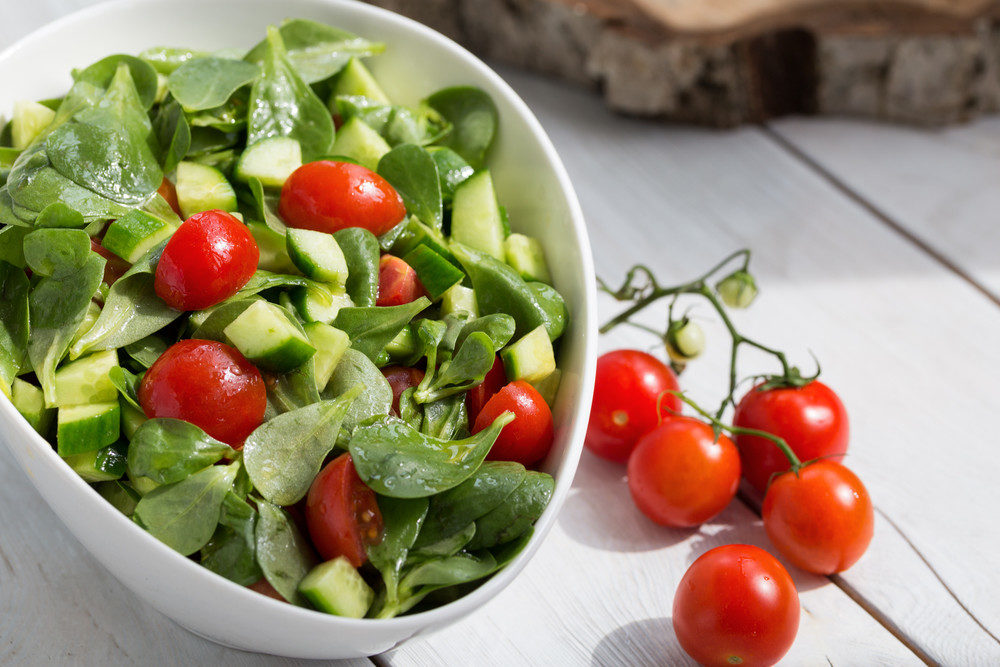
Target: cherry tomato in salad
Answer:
pixel 265 588
pixel 680 475
pixel 822 519
pixel 169 193
pixel 114 266
pixel 478 396
pixel 811 419
pixel 628 385
pixel 400 379
pixel 529 437
pixel 342 513
pixel 397 282
pixel 736 605
pixel 327 196
pixel 207 260
pixel 209 384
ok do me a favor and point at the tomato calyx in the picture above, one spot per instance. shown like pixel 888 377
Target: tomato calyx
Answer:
pixel 791 379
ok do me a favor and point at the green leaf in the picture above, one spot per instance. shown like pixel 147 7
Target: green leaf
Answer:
pixel 371 329
pixel 284 455
pixel 208 82
pixel 402 520
pixel 283 554
pixel 446 546
pixel 166 59
pixel 468 368
pixel 147 350
pixel 376 399
pixel 396 460
pixel 14 289
pixel 102 73
pixel 361 250
pixel 517 513
pixel 396 124
pixel 283 105
pixel 452 170
pixel 295 389
pixel 168 450
pixel 446 418
pixel 173 135
pixel 412 171
pixel 12 245
pixel 499 327
pixel 458 569
pixel 474 119
pixel 127 385
pixel 232 551
pixel 59 215
pixel 265 280
pixel 184 515
pixel 265 207
pixel 56 252
pixel 317 51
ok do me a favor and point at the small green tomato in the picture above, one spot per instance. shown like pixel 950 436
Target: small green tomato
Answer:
pixel 685 340
pixel 737 290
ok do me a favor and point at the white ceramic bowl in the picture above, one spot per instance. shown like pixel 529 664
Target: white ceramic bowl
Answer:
pixel 532 184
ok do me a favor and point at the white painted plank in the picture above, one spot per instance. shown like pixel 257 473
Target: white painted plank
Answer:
pixel 877 312
pixel 942 185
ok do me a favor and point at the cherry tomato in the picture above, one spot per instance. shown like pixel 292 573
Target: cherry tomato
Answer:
pixel 326 196
pixel 400 379
pixel 209 384
pixel 811 419
pixel 529 437
pixel 822 519
pixel 265 588
pixel 114 266
pixel 736 605
pixel 680 475
pixel 478 396
pixel 397 282
pixel 628 385
pixel 342 513
pixel 207 260
pixel 169 192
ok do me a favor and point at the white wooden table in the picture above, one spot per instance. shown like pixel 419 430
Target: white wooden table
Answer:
pixel 878 248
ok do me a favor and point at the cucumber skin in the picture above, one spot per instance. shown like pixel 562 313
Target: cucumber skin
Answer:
pixel 287 349
pixel 95 431
pixel 436 273
pixel 335 587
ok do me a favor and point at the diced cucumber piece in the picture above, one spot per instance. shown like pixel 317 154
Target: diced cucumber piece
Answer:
pixel 436 273
pixel 132 418
pixel 135 233
pixel 403 345
pixel 318 255
pixel 360 142
pixel 459 299
pixel 86 380
pixel 100 465
pixel 355 79
pixel 336 588
pixel 525 255
pixel 317 304
pixel 30 402
pixel 143 485
pixel 476 220
pixel 417 233
pixel 84 428
pixel 272 160
pixel 121 496
pixel 265 336
pixel 30 118
pixel 531 358
pixel 273 249
pixel 549 386
pixel 203 188
pixel 330 343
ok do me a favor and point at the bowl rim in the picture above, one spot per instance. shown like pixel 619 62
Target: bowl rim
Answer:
pixel 585 323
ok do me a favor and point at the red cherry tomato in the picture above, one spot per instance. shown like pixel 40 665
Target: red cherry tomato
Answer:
pixel 400 379
pixel 207 260
pixel 811 419
pixel 628 385
pixel 342 513
pixel 822 519
pixel 169 192
pixel 736 605
pixel 397 282
pixel 326 196
pixel 264 588
pixel 680 475
pixel 209 384
pixel 478 396
pixel 529 437
pixel 114 266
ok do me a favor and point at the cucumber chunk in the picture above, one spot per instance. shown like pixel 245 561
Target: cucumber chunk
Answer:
pixel 132 419
pixel 330 343
pixel 531 358
pixel 100 465
pixel 272 160
pixel 355 79
pixel 336 588
pixel 265 336
pixel 84 428
pixel 403 345
pixel 203 188
pixel 476 220
pixel 30 402
pixel 135 233
pixel 317 304
pixel 273 249
pixel 436 273
pixel 417 233
pixel 525 255
pixel 549 386
pixel 86 380
pixel 360 142
pixel 459 299
pixel 30 118
pixel 318 255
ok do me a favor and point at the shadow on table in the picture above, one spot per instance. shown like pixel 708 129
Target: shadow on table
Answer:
pixel 648 642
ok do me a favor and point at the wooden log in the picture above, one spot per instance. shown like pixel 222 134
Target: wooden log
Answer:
pixel 722 63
